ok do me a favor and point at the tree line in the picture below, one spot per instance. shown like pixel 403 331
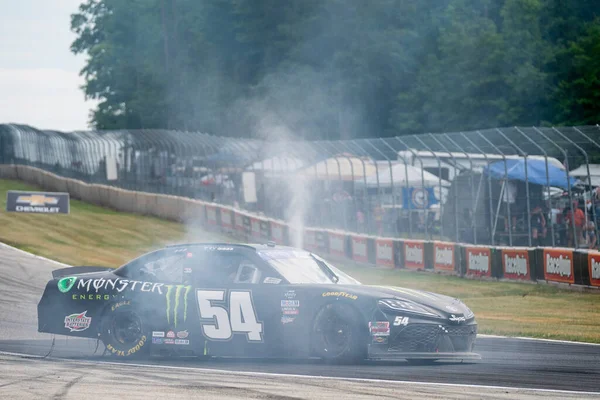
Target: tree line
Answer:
pixel 329 69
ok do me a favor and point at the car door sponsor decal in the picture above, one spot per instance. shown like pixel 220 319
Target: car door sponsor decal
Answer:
pixel 120 285
pixel 175 295
pixel 222 317
pixel 78 322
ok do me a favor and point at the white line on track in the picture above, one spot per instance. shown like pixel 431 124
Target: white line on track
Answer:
pixel 536 339
pixel 297 376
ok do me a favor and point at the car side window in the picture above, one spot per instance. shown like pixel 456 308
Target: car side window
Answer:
pixel 160 266
pixel 225 269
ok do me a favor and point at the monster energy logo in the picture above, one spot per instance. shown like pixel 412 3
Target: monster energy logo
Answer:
pixel 174 294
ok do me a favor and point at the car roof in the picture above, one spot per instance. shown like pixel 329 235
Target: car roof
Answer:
pixel 241 246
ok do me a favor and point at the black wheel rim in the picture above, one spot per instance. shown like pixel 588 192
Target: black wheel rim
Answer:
pixel 336 334
pixel 126 328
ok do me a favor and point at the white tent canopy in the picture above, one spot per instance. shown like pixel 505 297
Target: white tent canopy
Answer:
pixel 345 167
pixel 581 173
pixel 400 172
pixel 277 164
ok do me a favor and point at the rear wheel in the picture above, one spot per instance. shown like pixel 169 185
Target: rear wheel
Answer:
pixel 336 334
pixel 123 331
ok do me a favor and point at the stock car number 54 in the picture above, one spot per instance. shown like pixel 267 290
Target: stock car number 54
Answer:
pixel 234 300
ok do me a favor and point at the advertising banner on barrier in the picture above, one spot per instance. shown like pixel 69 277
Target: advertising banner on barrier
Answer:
pixel 516 264
pixel 239 223
pixel 310 240
pixel 594 268
pixel 443 256
pixel 558 265
pixel 414 254
pixel 277 233
pixel 337 244
pixel 384 253
pixel 211 215
pixel 265 231
pixel 255 227
pixel 227 219
pixel 479 261
pixel 359 248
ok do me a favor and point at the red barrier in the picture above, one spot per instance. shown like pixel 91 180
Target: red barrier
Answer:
pixel 255 227
pixel 479 261
pixel 227 219
pixel 558 265
pixel 384 252
pixel 414 254
pixel 359 248
pixel 211 215
pixel 516 264
pixel 594 268
pixel 310 240
pixel 443 256
pixel 277 233
pixel 337 244
pixel 239 223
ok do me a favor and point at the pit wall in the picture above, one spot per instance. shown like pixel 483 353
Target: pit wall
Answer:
pixel 564 266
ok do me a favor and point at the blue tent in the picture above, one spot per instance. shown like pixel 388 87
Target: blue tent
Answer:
pixel 536 172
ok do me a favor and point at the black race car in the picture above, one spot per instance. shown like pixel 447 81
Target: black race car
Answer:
pixel 235 300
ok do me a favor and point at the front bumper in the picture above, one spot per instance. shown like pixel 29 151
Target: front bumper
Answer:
pixel 426 340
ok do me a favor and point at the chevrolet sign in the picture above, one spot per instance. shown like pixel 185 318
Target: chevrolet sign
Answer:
pixel 37 202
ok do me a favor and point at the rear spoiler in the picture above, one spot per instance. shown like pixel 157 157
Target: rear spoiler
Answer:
pixel 58 273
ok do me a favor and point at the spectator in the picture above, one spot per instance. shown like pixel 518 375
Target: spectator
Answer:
pixel 509 196
pixel 579 220
pixel 538 225
pixel 591 235
pixel 360 219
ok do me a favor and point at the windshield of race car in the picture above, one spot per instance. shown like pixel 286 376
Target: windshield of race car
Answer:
pixel 304 267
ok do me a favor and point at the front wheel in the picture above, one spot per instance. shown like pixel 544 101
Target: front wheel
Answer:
pixel 123 331
pixel 336 334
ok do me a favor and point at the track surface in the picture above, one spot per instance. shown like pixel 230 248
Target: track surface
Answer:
pixel 506 362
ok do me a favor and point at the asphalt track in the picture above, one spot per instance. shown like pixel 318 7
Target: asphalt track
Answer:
pixel 510 368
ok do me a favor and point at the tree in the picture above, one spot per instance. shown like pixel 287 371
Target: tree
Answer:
pixel 577 96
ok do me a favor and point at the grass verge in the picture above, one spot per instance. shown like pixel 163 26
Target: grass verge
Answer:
pixel 93 235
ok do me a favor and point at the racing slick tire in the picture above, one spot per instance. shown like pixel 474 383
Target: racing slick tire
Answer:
pixel 123 331
pixel 336 335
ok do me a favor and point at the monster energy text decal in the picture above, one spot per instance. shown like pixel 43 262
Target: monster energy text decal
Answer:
pixel 101 284
pixel 174 295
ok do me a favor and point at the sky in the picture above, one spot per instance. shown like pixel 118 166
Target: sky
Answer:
pixel 39 76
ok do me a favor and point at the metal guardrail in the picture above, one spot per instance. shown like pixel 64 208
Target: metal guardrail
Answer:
pixel 456 186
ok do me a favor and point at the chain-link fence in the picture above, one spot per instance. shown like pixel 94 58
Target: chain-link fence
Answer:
pixel 515 186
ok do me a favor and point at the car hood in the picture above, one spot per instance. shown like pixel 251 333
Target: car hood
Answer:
pixel 443 305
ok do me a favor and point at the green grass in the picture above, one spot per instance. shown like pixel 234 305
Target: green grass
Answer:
pixel 92 235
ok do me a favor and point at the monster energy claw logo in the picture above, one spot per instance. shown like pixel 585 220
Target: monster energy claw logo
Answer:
pixel 65 284
pixel 174 296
